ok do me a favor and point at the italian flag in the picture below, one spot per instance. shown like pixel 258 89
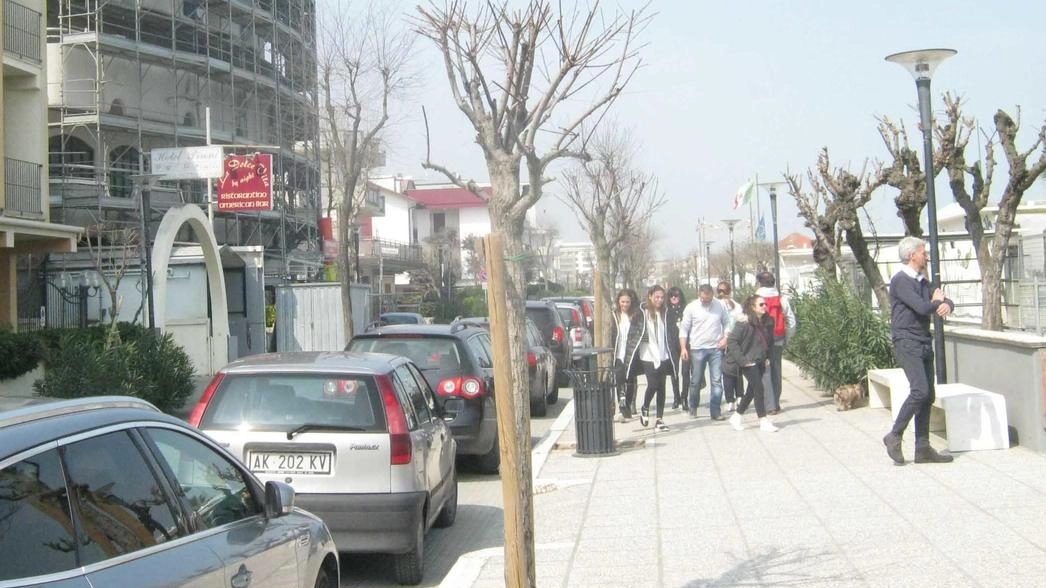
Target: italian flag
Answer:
pixel 744 194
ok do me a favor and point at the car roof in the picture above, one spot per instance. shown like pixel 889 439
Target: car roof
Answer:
pixel 459 329
pixel 315 361
pixel 30 426
pixel 540 304
pixel 403 314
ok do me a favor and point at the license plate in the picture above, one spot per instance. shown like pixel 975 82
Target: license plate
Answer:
pixel 290 462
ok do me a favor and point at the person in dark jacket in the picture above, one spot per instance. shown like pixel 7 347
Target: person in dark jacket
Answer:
pixel 627 328
pixel 655 357
pixel 680 376
pixel 913 301
pixel 748 348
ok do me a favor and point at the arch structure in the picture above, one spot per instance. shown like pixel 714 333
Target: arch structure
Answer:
pixel 173 220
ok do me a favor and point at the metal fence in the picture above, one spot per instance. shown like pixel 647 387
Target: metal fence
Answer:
pixel 22 187
pixel 22 32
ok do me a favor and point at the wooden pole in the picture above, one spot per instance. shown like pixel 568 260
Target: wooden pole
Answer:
pixel 597 285
pixel 513 428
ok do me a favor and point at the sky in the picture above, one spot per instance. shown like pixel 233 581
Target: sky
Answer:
pixel 731 91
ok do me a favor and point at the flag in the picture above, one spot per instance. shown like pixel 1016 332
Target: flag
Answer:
pixel 744 194
pixel 760 229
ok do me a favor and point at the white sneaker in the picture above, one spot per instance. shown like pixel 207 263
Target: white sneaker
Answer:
pixel 735 422
pixel 766 426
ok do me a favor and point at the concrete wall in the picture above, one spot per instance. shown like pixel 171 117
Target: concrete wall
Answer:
pixel 1010 363
pixel 396 224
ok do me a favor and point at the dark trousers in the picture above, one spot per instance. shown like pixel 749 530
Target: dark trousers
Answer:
pixel 916 359
pixel 772 377
pixel 626 387
pixel 680 380
pixel 732 384
pixel 754 376
pixel 655 384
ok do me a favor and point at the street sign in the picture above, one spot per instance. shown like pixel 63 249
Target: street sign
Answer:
pixel 187 163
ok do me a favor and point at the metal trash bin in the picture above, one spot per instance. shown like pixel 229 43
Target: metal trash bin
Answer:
pixel 594 407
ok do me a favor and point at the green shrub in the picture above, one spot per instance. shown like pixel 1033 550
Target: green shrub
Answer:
pixel 146 365
pixel 20 353
pixel 839 337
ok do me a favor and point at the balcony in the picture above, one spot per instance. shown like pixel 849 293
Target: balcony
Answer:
pixel 22 32
pixel 373 203
pixel 22 182
pixel 392 256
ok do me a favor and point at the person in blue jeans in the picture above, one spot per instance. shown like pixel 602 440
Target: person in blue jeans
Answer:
pixel 702 339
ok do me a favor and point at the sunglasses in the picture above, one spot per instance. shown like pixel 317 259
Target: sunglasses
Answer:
pixel 723 292
pixel 761 305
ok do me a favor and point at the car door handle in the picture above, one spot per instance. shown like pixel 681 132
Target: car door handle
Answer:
pixel 242 579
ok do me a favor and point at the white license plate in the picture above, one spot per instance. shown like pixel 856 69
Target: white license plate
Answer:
pixel 290 462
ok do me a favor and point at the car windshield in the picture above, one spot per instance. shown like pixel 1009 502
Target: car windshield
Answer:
pixel 278 402
pixel 399 319
pixel 428 353
pixel 542 318
pixel 566 313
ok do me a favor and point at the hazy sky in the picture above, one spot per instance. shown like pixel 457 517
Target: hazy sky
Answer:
pixel 731 90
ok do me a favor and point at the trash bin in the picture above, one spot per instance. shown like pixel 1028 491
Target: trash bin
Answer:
pixel 594 407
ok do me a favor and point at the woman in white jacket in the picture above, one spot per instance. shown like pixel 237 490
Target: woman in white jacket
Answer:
pixel 655 356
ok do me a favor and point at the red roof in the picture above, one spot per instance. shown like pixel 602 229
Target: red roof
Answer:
pixel 797 241
pixel 450 197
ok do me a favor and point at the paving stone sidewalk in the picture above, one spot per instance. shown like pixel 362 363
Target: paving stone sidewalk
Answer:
pixel 816 504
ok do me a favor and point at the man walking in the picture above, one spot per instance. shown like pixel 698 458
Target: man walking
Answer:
pixel 778 309
pixel 912 304
pixel 702 338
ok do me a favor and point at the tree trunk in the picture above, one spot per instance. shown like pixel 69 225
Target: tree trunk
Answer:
pixel 991 294
pixel 346 265
pixel 504 177
pixel 859 246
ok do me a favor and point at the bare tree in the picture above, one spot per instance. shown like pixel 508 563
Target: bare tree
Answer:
pixel 364 65
pixel 517 76
pixel 818 216
pixel 954 136
pixel 112 248
pixel 636 256
pixel 612 201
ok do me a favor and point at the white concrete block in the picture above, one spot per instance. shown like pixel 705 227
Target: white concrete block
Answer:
pixel 975 419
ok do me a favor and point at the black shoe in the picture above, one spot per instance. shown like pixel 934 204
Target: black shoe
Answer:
pixel 675 404
pixel 626 411
pixel 644 415
pixel 719 417
pixel 930 455
pixel 686 406
pixel 893 448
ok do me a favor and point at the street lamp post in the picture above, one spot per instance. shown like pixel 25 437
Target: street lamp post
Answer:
pixel 921 65
pixel 773 218
pixel 730 222
pixel 708 260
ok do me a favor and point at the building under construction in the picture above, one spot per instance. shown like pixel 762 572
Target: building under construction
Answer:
pixel 129 76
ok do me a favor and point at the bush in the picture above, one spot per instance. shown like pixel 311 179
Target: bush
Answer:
pixel 20 353
pixel 145 365
pixel 839 337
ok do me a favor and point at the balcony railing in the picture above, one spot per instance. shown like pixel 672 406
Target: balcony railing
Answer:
pixel 22 32
pixel 22 188
pixel 390 251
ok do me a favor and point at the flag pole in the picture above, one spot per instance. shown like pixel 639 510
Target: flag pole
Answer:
pixel 751 219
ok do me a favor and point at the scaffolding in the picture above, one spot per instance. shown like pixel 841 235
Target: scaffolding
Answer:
pixel 129 76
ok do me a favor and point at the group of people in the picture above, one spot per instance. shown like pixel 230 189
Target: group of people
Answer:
pixel 670 340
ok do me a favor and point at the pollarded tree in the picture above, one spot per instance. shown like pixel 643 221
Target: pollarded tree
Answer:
pixel 821 217
pixel 954 136
pixel 364 65
pixel 528 79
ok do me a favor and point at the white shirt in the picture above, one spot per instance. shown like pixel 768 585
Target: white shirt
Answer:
pixel 704 326
pixel 623 325
pixel 654 349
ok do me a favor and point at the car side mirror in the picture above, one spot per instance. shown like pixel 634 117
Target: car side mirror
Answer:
pixel 279 499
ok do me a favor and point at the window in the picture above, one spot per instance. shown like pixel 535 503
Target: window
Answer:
pixel 119 502
pixel 213 487
pixel 426 391
pixel 480 345
pixel 439 222
pixel 35 527
pixel 414 394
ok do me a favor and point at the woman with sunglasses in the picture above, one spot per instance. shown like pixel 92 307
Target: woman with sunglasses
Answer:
pixel 626 330
pixel 680 375
pixel 747 349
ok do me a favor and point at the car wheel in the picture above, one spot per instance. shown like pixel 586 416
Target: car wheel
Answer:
pixel 409 566
pixel 538 407
pixel 450 508
pixel 325 580
pixel 489 462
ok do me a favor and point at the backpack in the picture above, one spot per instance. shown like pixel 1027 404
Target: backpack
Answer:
pixel 776 312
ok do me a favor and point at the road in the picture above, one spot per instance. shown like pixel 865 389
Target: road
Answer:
pixel 479 524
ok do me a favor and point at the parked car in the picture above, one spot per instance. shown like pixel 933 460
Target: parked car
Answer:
pixel 360 437
pixel 457 362
pixel 544 390
pixel 402 318
pixel 579 333
pixel 108 491
pixel 587 305
pixel 554 332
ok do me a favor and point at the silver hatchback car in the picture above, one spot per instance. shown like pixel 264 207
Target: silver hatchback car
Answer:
pixel 360 437
pixel 108 491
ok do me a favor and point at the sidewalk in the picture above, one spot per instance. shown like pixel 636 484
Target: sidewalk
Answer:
pixel 816 504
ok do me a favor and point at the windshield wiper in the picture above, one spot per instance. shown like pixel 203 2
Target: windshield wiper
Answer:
pixel 322 427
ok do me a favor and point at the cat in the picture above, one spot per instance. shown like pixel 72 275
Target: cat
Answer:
pixel 848 395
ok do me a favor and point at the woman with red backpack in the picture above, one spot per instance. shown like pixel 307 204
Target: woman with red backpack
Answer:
pixel 747 349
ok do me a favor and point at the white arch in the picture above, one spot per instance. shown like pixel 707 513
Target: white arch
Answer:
pixel 172 222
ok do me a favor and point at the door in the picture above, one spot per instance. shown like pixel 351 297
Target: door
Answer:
pixel 446 451
pixel 430 438
pixel 226 509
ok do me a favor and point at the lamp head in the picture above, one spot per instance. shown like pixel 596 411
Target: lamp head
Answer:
pixel 921 63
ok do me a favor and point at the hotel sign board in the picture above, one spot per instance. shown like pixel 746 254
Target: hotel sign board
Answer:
pixel 187 163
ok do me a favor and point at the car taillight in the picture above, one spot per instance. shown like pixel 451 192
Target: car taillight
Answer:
pixel 575 315
pixel 587 310
pixel 208 393
pixel 466 387
pixel 532 360
pixel 557 334
pixel 578 335
pixel 399 436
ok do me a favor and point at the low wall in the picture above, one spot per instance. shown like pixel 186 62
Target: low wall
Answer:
pixel 1010 363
